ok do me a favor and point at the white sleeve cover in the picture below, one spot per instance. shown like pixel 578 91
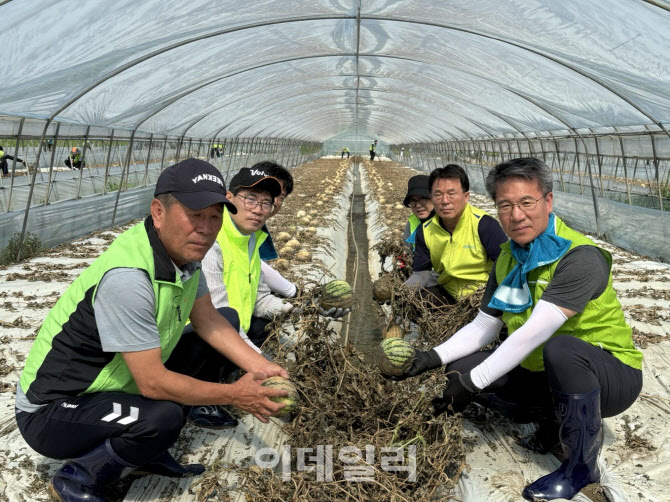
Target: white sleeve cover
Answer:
pixel 470 338
pixel 545 320
pixel 277 282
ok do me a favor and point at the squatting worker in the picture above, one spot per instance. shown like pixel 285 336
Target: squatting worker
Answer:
pixel 569 359
pixel 459 243
pixel 96 388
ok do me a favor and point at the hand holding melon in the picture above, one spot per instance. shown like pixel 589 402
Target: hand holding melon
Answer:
pixel 337 299
pixel 292 400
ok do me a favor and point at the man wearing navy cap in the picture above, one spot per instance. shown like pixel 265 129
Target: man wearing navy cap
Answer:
pixel 101 386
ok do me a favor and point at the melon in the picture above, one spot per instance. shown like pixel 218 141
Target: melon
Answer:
pixel 286 251
pixel 399 207
pixel 292 401
pixel 300 214
pixel 393 331
pixel 394 356
pixel 382 289
pixel 306 220
pixel 280 264
pixel 336 294
pixel 293 243
pixel 283 236
pixel 303 256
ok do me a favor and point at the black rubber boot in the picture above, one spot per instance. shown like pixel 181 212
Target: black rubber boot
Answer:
pixel 82 479
pixel 166 465
pixel 211 417
pixel 580 433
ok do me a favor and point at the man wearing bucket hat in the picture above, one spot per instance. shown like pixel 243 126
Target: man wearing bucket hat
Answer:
pixel 460 242
pixel 101 386
pixel 419 201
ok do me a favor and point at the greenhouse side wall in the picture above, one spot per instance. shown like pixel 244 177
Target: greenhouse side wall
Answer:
pixel 63 222
pixel 642 230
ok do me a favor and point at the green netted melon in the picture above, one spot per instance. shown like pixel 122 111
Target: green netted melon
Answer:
pixel 393 331
pixel 336 294
pixel 395 356
pixel 291 401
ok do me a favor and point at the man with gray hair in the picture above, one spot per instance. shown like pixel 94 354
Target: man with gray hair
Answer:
pixel 569 360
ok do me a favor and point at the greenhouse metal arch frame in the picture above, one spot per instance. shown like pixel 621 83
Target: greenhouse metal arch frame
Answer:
pixel 366 55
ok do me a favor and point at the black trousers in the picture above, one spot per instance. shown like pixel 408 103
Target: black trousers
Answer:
pixel 372 156
pixel 139 428
pixel 572 366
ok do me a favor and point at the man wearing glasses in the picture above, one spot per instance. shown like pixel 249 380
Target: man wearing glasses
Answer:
pixel 569 360
pixel 460 243
pixel 232 268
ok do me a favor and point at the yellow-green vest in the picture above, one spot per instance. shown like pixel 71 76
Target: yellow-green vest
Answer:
pixel 66 359
pixel 240 275
pixel 460 258
pixel 602 322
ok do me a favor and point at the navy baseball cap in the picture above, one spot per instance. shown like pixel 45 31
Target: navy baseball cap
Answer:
pixel 195 183
pixel 256 178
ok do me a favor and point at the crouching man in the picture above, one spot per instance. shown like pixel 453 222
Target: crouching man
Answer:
pixel 96 388
pixel 569 360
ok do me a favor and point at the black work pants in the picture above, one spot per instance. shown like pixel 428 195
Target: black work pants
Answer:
pixel 572 366
pixel 139 428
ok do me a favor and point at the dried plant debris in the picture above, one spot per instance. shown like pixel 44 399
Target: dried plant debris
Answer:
pixel 643 338
pixel 370 438
pixel 632 440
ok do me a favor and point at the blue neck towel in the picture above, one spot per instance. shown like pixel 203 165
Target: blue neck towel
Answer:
pixel 513 294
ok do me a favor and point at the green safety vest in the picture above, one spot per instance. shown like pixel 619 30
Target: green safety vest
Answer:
pixel 372 147
pixel 76 158
pixel 67 359
pixel 2 154
pixel 240 274
pixel 602 322
pixel 460 258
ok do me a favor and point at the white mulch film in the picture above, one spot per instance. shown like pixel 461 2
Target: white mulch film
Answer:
pixel 634 459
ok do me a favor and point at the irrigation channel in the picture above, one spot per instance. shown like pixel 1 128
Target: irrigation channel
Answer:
pixel 365 324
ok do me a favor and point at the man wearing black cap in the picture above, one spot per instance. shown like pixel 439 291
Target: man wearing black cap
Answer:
pixel 419 201
pixel 100 386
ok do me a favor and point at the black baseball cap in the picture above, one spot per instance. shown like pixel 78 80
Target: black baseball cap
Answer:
pixel 417 185
pixel 195 183
pixel 256 178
